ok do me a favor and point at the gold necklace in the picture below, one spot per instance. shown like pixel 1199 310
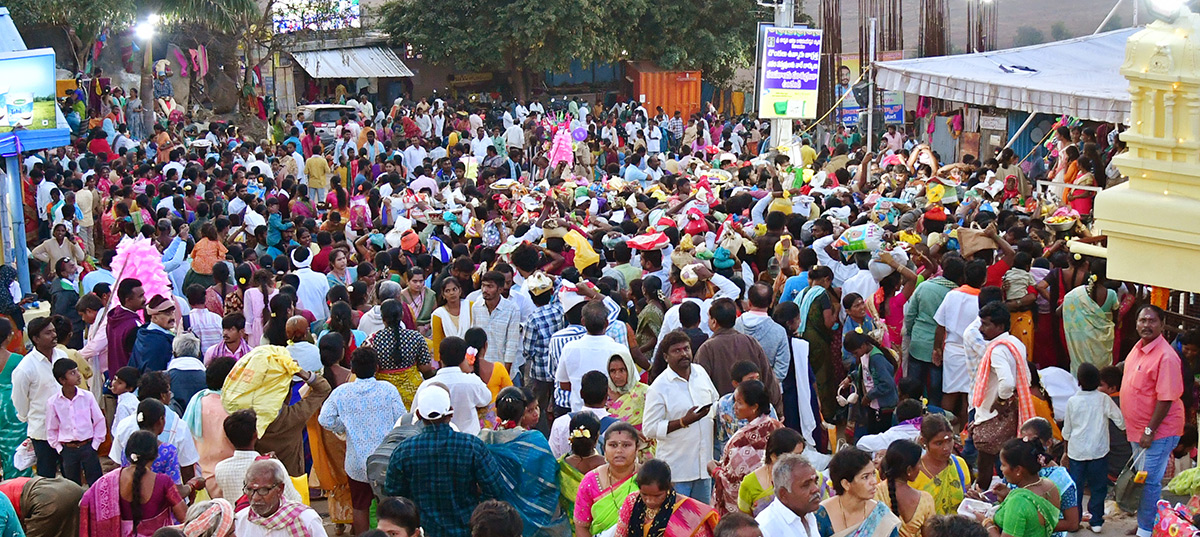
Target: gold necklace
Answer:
pixel 842 504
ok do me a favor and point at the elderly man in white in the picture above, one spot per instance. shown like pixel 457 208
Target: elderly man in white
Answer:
pixel 270 515
pixel 797 496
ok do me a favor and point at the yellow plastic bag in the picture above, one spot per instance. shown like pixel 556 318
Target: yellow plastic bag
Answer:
pixel 301 484
pixel 261 381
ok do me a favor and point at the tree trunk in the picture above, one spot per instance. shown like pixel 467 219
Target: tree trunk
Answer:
pixel 146 91
pixel 520 83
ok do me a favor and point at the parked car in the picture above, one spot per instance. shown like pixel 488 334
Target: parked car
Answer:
pixel 324 118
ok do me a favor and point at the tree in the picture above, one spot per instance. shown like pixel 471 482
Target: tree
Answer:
pixel 1114 23
pixel 715 36
pixel 1059 31
pixel 1028 35
pixel 81 22
pixel 521 37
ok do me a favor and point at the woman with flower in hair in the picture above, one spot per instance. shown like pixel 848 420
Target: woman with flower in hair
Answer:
pixel 585 432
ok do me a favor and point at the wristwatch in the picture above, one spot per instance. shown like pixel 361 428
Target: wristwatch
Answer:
pixel 1148 431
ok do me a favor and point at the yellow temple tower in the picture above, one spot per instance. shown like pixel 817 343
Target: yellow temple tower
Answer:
pixel 1153 220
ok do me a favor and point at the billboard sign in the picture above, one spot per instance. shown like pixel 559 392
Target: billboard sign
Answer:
pixel 790 60
pixel 892 103
pixel 27 90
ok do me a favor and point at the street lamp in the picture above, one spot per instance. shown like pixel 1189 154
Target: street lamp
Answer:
pixel 144 31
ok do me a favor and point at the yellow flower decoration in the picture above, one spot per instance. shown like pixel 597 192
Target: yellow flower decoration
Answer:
pixel 581 433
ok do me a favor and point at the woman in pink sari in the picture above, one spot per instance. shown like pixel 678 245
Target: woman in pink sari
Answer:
pixel 744 451
pixel 657 510
pixel 133 501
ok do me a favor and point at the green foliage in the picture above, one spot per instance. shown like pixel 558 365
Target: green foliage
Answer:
pixel 86 18
pixel 1115 23
pixel 512 34
pixel 715 36
pixel 1028 35
pixel 1059 31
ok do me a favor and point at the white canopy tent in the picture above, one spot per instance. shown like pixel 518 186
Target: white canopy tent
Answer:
pixel 1078 77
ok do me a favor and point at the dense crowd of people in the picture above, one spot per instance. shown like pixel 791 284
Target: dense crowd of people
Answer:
pixel 585 320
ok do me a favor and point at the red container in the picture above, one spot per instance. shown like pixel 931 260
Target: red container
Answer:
pixel 672 90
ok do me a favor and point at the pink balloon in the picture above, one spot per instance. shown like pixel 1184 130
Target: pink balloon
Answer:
pixel 579 134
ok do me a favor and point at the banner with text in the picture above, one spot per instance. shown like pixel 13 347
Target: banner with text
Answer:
pixel 790 59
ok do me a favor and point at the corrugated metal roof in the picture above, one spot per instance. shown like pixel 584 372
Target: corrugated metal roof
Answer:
pixel 357 62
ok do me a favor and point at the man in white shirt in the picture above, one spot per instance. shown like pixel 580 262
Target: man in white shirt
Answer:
pixel 313 285
pixel 679 415
pixel 425 123
pixel 536 107
pixel 230 474
pixel 522 112
pixel 345 146
pixel 475 121
pixel 353 126
pixel 507 119
pixel 414 155
pixel 797 497
pixel 33 385
pixel 1002 363
pixel 594 390
pixel 480 141
pixel 588 353
pixel 514 136
pixel 958 309
pixel 294 152
pixel 653 139
pixel 467 391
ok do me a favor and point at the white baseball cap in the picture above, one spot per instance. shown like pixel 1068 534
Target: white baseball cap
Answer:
pixel 433 403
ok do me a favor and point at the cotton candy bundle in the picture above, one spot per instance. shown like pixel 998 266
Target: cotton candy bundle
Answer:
pixel 139 259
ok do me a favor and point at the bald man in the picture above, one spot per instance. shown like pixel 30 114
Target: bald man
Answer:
pixel 300 345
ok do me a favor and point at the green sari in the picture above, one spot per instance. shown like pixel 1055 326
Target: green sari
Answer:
pixel 1025 514
pixel 12 430
pixel 1088 327
pixel 568 485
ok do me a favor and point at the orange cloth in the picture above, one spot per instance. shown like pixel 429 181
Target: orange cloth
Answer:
pixel 206 254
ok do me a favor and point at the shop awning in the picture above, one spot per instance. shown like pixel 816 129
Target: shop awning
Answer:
pixel 358 62
pixel 1079 77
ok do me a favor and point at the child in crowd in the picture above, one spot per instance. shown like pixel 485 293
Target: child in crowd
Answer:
pixel 74 424
pixel 1019 296
pixel 727 422
pixel 1088 412
pixel 1119 449
pixel 689 319
pixel 123 385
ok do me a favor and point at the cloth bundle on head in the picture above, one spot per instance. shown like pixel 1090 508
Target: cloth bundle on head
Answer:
pixel 585 255
pixel 569 297
pixel 696 225
pixel 538 283
pixel 213 517
pixel 935 213
pixel 880 270
pixel 261 380
pixel 690 275
pixel 861 238
pixel 649 241
pixel 439 251
pixel 684 254
pixel 553 229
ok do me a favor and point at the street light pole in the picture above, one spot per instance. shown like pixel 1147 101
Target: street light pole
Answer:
pixel 781 129
pixel 145 32
pixel 871 98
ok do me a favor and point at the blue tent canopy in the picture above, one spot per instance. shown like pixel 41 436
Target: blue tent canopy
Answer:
pixel 12 144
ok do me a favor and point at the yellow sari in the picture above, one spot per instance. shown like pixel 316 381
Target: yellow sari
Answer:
pixel 948 487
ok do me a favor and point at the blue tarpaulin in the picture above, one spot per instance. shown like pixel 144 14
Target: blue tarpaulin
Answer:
pixel 593 73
